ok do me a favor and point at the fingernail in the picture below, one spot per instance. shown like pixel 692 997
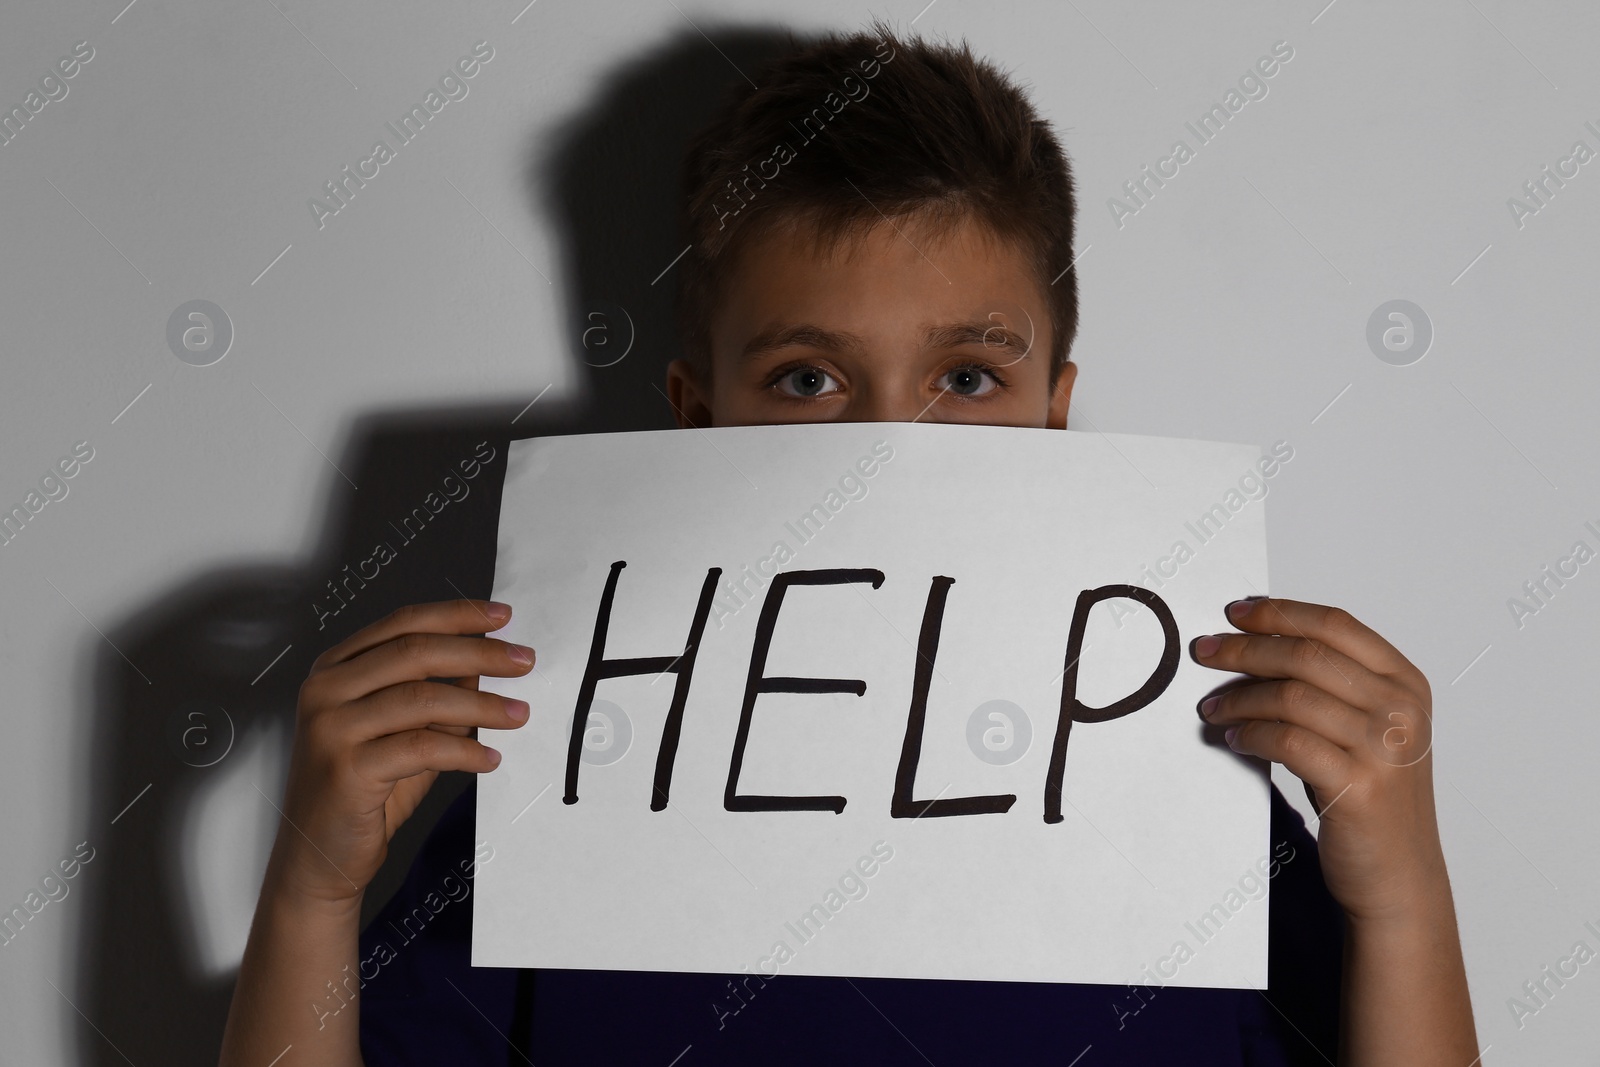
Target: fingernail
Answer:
pixel 1240 608
pixel 521 654
pixel 1230 733
pixel 499 611
pixel 494 756
pixel 517 710
pixel 1207 645
pixel 1207 706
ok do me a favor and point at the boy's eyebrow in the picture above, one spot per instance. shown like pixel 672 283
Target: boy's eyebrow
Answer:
pixel 988 333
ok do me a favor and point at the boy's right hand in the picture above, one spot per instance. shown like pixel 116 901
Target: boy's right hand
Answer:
pixel 372 734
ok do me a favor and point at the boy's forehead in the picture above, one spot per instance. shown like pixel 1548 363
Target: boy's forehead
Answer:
pixel 895 277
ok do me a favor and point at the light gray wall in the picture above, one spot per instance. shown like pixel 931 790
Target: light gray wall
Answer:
pixel 1233 305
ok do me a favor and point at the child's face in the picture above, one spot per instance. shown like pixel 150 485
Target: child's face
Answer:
pixel 803 338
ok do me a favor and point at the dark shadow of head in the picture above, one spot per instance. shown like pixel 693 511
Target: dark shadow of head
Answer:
pixel 193 695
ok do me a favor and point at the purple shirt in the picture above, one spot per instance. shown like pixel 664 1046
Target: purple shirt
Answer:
pixel 423 1003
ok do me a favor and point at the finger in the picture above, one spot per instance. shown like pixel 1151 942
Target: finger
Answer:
pixel 396 756
pixel 1293 701
pixel 469 682
pixel 420 656
pixel 423 705
pixel 1294 657
pixel 463 616
pixel 1334 627
pixel 1314 759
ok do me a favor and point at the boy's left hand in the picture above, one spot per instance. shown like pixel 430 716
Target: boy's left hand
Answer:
pixel 1340 707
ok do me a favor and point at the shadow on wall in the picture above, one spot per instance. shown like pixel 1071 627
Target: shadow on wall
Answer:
pixel 201 710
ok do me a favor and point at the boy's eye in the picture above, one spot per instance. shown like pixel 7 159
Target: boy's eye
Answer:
pixel 970 380
pixel 807 382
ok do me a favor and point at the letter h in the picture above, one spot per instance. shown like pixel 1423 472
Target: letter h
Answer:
pixel 599 668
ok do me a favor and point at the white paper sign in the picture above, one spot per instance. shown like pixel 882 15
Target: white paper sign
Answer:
pixel 817 676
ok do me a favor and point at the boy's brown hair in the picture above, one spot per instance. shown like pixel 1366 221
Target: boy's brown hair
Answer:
pixel 851 128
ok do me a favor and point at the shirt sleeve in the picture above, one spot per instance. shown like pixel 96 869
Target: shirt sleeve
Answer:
pixel 421 1000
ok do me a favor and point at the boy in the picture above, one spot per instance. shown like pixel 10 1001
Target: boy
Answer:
pixel 880 232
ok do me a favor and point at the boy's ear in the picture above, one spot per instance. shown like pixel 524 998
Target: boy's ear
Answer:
pixel 690 398
pixel 1061 397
